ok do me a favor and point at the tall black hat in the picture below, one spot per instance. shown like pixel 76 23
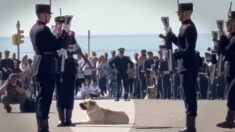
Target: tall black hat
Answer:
pixel 43 8
pixel 185 7
pixel 232 15
pixel 60 19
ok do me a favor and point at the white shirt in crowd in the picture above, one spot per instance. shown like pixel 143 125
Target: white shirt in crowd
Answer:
pixel 25 67
pixel 95 90
pixel 85 65
pixel 85 89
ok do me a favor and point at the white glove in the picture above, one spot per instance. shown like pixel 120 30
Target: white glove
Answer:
pixel 221 33
pixel 66 27
pixel 168 29
pixel 62 52
pixel 54 30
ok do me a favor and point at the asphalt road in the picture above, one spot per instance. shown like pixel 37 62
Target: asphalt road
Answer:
pixel 145 116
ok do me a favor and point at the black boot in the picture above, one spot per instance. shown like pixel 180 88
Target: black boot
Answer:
pixel 229 122
pixel 61 118
pixel 43 125
pixel 68 120
pixel 190 124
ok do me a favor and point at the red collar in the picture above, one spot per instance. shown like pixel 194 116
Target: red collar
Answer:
pixel 41 22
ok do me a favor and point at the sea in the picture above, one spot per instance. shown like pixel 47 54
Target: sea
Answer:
pixel 105 43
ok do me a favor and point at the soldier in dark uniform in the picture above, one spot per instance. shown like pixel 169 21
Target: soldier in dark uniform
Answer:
pixel 7 66
pixel 65 83
pixel 188 67
pixel 227 45
pixel 45 45
pixel 121 64
pixel 65 92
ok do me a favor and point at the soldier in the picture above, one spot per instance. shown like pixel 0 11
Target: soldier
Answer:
pixel 65 83
pixel 121 64
pixel 186 56
pixel 45 45
pixel 227 45
pixel 65 92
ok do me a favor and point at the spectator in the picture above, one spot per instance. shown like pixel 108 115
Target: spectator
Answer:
pixel 26 71
pixel 85 91
pixel 16 68
pixel 14 59
pixel 6 66
pixel 30 61
pixel 79 77
pixel 102 72
pixel 94 60
pixel 106 55
pixel 14 92
pixel 95 90
pixel 87 70
pixel 136 80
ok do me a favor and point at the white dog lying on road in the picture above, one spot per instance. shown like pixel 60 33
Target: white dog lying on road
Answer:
pixel 98 115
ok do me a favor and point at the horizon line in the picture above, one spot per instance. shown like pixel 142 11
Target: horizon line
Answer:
pixel 111 35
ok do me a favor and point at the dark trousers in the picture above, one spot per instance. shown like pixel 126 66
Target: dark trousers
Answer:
pixel 203 85
pixel 231 93
pixel 79 82
pixel 166 87
pixel 45 91
pixel 175 87
pixel 188 83
pixel 130 85
pixel 65 92
pixel 8 99
pixel 121 78
pixel 102 85
pixel 137 88
pixel 159 89
pixel 143 85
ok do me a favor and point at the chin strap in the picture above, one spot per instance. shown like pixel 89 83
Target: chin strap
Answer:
pixel 45 17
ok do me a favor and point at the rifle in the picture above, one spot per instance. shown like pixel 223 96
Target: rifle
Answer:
pixel 213 55
pixel 167 44
pixel 220 24
pixel 230 9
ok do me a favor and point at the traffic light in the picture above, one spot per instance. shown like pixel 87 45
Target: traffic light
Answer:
pixel 21 36
pixel 14 39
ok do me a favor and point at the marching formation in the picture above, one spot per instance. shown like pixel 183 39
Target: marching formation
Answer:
pixel 179 74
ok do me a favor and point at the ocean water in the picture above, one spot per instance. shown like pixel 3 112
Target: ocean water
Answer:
pixel 106 43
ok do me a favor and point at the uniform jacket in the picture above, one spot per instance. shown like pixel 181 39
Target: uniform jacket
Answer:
pixel 44 41
pixel 121 63
pixel 228 50
pixel 186 42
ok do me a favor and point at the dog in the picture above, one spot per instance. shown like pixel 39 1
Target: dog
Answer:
pixel 98 115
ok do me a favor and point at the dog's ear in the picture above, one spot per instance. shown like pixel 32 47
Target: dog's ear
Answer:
pixel 92 102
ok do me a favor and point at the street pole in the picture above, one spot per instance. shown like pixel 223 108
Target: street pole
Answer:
pixel 18 39
pixel 89 37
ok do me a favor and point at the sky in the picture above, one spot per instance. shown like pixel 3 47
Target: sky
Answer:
pixel 113 17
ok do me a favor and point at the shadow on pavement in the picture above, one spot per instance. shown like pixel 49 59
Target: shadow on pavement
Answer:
pixel 154 127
